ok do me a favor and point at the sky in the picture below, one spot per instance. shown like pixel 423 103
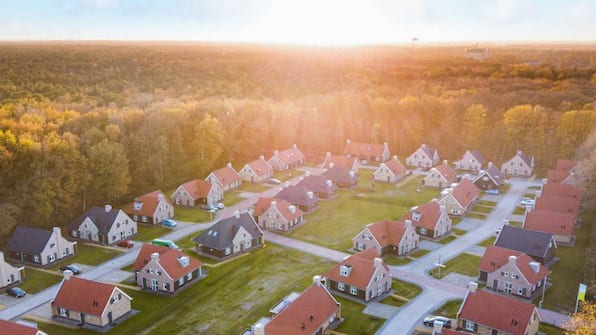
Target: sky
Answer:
pixel 317 22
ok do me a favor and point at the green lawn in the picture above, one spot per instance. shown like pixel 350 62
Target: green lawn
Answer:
pixel 232 198
pixel 565 276
pixel 231 298
pixel 482 209
pixel 447 239
pixel 148 233
pixel 477 216
pixel 488 241
pixel 464 264
pixel 419 253
pixel 406 290
pixel 36 280
pixel 487 203
pixel 191 214
pixel 286 175
pixel 519 210
pixel 456 220
pixel 550 330
pixel 89 255
pixel 449 309
pixel 396 260
pixel 356 323
pixel 458 232
pixel 537 188
pixel 393 301
pixel 515 224
pixel 251 187
pixel 530 195
pixel 336 222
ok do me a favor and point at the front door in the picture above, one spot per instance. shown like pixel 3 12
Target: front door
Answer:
pixel 110 318
pixel 82 318
pixel 271 226
pixel 154 285
pixel 495 284
pixel 144 282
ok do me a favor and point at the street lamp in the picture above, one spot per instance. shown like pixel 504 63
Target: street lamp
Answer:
pixel 439 265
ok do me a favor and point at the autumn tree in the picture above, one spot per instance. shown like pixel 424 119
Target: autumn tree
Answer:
pixel 584 321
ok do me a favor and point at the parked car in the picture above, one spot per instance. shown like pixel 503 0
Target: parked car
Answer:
pixel 126 244
pixel 209 208
pixel 169 223
pixel 16 292
pixel 220 205
pixel 494 191
pixel 430 320
pixel 408 172
pixel 274 181
pixel 527 202
pixel 73 268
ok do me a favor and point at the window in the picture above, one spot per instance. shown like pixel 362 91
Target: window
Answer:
pixel 423 231
pixel 144 218
pixel 36 258
pixel 228 251
pixel 115 299
pixel 367 237
pixel 469 325
pixel 506 274
pixel 341 286
pixel 189 276
pixel 353 290
pixel 63 312
pixel 508 288
pixel 181 281
pixel 520 290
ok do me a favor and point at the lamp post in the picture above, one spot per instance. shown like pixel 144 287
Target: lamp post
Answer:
pixel 543 289
pixel 439 265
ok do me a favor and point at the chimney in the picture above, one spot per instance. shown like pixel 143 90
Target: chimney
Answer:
pixel 276 152
pixel 316 280
pixel 237 214
pixel 274 204
pixel 331 165
pixel 519 152
pixel 1 257
pixel 352 173
pixel 292 209
pixel 155 256
pixel 472 287
pixel 67 274
pixel 490 164
pixel 386 145
pixel 408 223
pixel 348 141
pixel 262 157
pixel 259 329
pixel 423 145
pixel 107 208
pixel 294 146
pixel 538 194
pixel 378 262
pixel 161 197
pixel 395 157
pixel 535 266
pixel 57 231
pixel 443 208
pixel 437 327
pixel 287 184
pixel 446 162
pixel 328 154
pixel 307 173
pixel 229 165
pixel 512 259
pixel 329 183
pixel 310 195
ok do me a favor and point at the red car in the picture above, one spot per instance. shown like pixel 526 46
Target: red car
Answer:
pixel 126 244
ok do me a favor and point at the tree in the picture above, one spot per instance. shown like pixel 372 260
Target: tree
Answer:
pixel 584 321
pixel 573 129
pixel 207 144
pixel 474 126
pixel 108 167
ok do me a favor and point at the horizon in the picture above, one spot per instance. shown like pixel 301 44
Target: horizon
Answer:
pixel 307 23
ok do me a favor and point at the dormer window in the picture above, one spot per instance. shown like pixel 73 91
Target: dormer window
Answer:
pixel 344 270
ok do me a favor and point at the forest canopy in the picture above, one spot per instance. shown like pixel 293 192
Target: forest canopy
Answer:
pixel 83 124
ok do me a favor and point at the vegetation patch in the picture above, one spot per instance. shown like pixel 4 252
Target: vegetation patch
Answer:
pixel 355 322
pixel 447 239
pixel 458 232
pixel 449 309
pixel 90 255
pixel 475 215
pixel 537 188
pixel 419 253
pixel 148 233
pixel 405 289
pixel 550 329
pixel 191 214
pixel 336 222
pixel 530 195
pixel 518 224
pixel 396 260
pixel 251 187
pixel 482 209
pixel 519 210
pixel 258 280
pixel 37 280
pixel 465 264
pixel 456 220
pixel 489 241
pixel 487 203
pixel 394 301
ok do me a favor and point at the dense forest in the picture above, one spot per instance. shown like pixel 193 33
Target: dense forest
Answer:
pixel 82 124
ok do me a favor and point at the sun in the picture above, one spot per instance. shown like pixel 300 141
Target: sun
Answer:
pixel 327 22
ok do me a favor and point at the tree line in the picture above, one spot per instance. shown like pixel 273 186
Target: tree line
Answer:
pixel 82 125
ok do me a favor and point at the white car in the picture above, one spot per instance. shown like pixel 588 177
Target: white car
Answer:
pixel 527 202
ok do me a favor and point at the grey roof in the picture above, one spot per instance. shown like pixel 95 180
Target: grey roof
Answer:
pixel 531 242
pixel 430 151
pixel 297 195
pixel 340 174
pixel 317 183
pixel 478 156
pixel 28 240
pixel 220 235
pixel 494 173
pixel 101 218
pixel 527 159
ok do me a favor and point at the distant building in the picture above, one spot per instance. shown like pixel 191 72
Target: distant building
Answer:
pixel 476 53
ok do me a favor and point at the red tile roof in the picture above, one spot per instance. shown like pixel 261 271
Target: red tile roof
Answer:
pixel 263 204
pixel 447 172
pixel 197 188
pixel 523 264
pixel 306 314
pixel 556 176
pixel 363 269
pixel 447 331
pixel 13 328
pixel 148 204
pixel 168 258
pixel 339 161
pixel 465 192
pixel 558 203
pixel 395 166
pixel 557 223
pixel 495 257
pixel 562 190
pixel 226 175
pixel 387 232
pixel 261 167
pixel 291 156
pixel 364 149
pixel 86 296
pixel 428 215
pixel 497 311
pixel 565 164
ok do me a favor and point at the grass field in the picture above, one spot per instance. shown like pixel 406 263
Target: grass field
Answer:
pixel 191 214
pixel 251 187
pixel 566 273
pixel 356 323
pixel 336 222
pixel 482 209
pixel 447 239
pixel 147 233
pixel 231 298
pixel 459 232
pixel 488 241
pixel 464 264
pixel 487 203
pixel 419 253
pixel 396 260
pixel 36 280
pixel 474 215
pixel 449 309
pixel 90 255
pixel 550 330
pixel 406 290
pixel 519 210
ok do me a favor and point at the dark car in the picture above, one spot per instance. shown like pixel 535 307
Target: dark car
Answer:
pixel 209 208
pixel 126 244
pixel 16 292
pixel 429 321
pixel 73 268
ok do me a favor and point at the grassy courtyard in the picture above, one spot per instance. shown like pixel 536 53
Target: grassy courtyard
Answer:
pixel 148 233
pixel 337 221
pixel 449 309
pixel 464 264
pixel 191 214
pixel 357 323
pixel 90 255
pixel 231 298
pixel 37 280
